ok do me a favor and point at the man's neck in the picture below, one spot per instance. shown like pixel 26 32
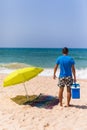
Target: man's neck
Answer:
pixel 65 54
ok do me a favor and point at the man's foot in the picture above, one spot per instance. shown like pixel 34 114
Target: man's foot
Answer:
pixel 68 105
pixel 60 104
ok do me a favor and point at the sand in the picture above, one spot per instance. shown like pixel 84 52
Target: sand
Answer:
pixel 26 117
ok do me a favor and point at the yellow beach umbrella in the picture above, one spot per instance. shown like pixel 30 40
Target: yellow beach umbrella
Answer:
pixel 21 75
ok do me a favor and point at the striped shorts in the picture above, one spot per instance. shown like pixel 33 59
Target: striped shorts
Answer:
pixel 65 81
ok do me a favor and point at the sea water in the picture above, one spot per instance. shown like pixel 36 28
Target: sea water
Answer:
pixel 15 58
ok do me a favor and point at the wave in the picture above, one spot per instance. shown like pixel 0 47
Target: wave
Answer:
pixel 8 68
pixel 80 73
pixel 14 65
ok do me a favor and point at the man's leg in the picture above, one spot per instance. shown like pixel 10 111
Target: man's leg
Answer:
pixel 68 96
pixel 61 95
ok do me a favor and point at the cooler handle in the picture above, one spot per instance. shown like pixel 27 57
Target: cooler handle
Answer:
pixel 76 84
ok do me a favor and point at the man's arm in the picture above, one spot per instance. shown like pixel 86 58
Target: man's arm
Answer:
pixel 74 73
pixel 55 69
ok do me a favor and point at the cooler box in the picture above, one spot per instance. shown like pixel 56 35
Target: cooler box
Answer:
pixel 75 91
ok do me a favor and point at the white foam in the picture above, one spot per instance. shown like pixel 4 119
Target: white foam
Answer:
pixel 4 70
pixel 46 72
pixel 80 73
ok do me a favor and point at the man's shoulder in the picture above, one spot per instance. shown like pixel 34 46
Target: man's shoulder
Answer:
pixel 65 57
pixel 71 58
pixel 60 57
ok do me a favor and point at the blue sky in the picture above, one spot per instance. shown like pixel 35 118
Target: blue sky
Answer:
pixel 43 23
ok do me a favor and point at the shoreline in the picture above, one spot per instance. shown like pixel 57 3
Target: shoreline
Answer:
pixel 48 72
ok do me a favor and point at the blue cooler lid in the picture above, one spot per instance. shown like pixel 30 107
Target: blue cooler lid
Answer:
pixel 75 85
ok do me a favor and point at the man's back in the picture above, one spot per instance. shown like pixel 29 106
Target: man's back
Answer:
pixel 65 62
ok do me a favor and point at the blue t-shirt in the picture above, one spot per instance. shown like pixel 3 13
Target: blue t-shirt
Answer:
pixel 65 62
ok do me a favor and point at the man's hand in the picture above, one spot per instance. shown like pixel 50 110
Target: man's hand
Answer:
pixel 54 76
pixel 55 69
pixel 74 80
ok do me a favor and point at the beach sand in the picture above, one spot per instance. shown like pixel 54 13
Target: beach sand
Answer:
pixel 26 117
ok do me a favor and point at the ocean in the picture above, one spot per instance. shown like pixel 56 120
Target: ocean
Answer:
pixel 15 58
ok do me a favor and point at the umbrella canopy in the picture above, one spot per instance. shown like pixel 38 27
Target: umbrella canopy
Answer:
pixel 21 75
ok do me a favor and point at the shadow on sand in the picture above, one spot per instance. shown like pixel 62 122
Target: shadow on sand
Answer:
pixel 41 101
pixel 79 106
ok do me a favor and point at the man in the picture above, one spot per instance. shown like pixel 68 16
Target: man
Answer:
pixel 67 74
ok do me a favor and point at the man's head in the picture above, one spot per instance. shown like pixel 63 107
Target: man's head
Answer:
pixel 65 50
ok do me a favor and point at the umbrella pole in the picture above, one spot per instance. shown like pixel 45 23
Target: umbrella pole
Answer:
pixel 26 91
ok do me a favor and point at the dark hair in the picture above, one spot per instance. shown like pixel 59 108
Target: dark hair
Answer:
pixel 65 50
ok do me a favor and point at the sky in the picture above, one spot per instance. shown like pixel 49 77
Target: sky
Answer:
pixel 43 23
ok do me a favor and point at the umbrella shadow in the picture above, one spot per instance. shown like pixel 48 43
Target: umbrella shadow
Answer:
pixel 41 101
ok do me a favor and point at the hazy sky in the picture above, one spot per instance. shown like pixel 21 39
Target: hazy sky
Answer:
pixel 43 23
